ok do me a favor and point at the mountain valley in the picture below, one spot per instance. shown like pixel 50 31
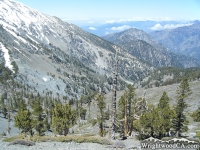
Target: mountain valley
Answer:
pixel 49 67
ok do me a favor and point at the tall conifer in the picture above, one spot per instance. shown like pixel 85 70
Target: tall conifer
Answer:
pixel 38 117
pixel 180 122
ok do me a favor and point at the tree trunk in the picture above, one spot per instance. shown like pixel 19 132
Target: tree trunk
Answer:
pixel 177 133
pixel 151 132
pixel 66 131
pixel 125 118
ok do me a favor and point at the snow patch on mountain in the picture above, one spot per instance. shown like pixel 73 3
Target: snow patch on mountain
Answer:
pixel 5 24
pixel 17 42
pixel 32 39
pixel 22 13
pixel 34 46
pixel 16 36
pixel 20 17
pixel 22 53
pixel 45 79
pixel 47 40
pixel 6 57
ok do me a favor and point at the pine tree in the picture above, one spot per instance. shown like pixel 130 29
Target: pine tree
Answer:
pixel 9 128
pixel 125 111
pixel 164 101
pixel 166 114
pixel 38 117
pixel 130 104
pixel 50 108
pixel 150 122
pixel 130 98
pixel 4 109
pixel 122 116
pixel 22 105
pixel 155 122
pixel 140 108
pixel 83 113
pixel 23 121
pixel 179 122
pixel 63 118
pixel 101 119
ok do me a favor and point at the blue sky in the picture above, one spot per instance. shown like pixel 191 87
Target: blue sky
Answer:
pixel 91 11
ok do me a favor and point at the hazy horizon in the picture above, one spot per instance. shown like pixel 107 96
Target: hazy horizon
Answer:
pixel 89 12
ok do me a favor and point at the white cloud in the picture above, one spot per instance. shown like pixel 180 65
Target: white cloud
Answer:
pixel 138 19
pixel 92 28
pixel 90 22
pixel 107 33
pixel 120 28
pixel 116 21
pixel 76 19
pixel 169 26
pixel 157 27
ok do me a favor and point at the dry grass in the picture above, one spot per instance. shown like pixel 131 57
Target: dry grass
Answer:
pixel 13 138
pixel 87 138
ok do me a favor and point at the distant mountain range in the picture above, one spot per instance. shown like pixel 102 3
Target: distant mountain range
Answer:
pixel 140 44
pixel 182 40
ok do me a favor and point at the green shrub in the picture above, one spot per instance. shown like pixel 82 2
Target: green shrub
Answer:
pixel 3 134
pixel 93 121
pixel 198 134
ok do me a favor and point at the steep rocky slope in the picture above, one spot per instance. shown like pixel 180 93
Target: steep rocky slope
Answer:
pixel 53 55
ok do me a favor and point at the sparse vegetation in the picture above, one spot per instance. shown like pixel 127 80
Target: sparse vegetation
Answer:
pixel 157 122
pixel 170 75
pixel 93 121
pixel 69 138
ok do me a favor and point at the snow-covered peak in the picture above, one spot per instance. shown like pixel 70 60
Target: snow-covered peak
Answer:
pixel 18 14
pixel 16 17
